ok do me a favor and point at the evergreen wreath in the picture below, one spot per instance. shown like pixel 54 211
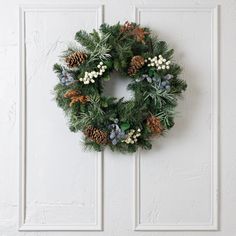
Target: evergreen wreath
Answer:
pixel 154 81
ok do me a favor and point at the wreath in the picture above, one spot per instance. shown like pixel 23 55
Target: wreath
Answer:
pixel 86 66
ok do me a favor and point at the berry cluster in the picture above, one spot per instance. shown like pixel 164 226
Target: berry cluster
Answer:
pixel 90 76
pixel 66 78
pixel 132 136
pixel 165 83
pixel 116 134
pixel 160 63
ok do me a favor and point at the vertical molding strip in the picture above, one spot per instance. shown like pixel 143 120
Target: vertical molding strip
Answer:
pixel 214 11
pixel 98 226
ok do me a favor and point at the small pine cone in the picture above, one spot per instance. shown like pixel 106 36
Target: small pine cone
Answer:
pixel 126 27
pixel 154 124
pixel 137 63
pixel 70 93
pixel 75 59
pixel 79 98
pixel 97 135
pixel 139 34
pixel 132 71
pixel 83 99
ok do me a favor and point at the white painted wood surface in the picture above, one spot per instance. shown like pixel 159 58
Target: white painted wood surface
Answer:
pixel 185 184
pixel 40 44
pixel 157 210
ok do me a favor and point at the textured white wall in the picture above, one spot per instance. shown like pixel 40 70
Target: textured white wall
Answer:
pixel 175 178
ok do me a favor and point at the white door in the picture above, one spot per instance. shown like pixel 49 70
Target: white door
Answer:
pixel 184 186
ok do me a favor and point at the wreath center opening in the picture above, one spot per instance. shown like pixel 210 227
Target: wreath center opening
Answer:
pixel 117 86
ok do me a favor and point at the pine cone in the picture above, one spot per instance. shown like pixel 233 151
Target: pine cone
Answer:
pixel 154 124
pixel 75 59
pixel 79 98
pixel 75 97
pixel 126 27
pixel 137 62
pixel 70 93
pixel 83 99
pixel 139 34
pixel 97 135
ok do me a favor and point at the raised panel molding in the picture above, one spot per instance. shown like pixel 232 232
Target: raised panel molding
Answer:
pixel 213 225
pixel 98 225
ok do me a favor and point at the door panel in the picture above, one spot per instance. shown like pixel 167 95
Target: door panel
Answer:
pixel 177 181
pixel 73 186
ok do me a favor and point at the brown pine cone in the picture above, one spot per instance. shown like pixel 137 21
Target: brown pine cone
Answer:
pixel 126 27
pixel 75 59
pixel 79 98
pixel 70 93
pixel 136 63
pixel 139 34
pixel 97 135
pixel 132 71
pixel 154 124
pixel 75 97
pixel 83 99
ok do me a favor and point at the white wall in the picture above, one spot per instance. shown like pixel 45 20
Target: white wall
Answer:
pixel 173 188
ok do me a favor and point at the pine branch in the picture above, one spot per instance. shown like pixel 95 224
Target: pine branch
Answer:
pixel 57 69
pixel 160 97
pixel 86 40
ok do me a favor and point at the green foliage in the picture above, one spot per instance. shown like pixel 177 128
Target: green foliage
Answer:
pixel 160 97
pixel 116 49
pixel 57 69
pixel 86 40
